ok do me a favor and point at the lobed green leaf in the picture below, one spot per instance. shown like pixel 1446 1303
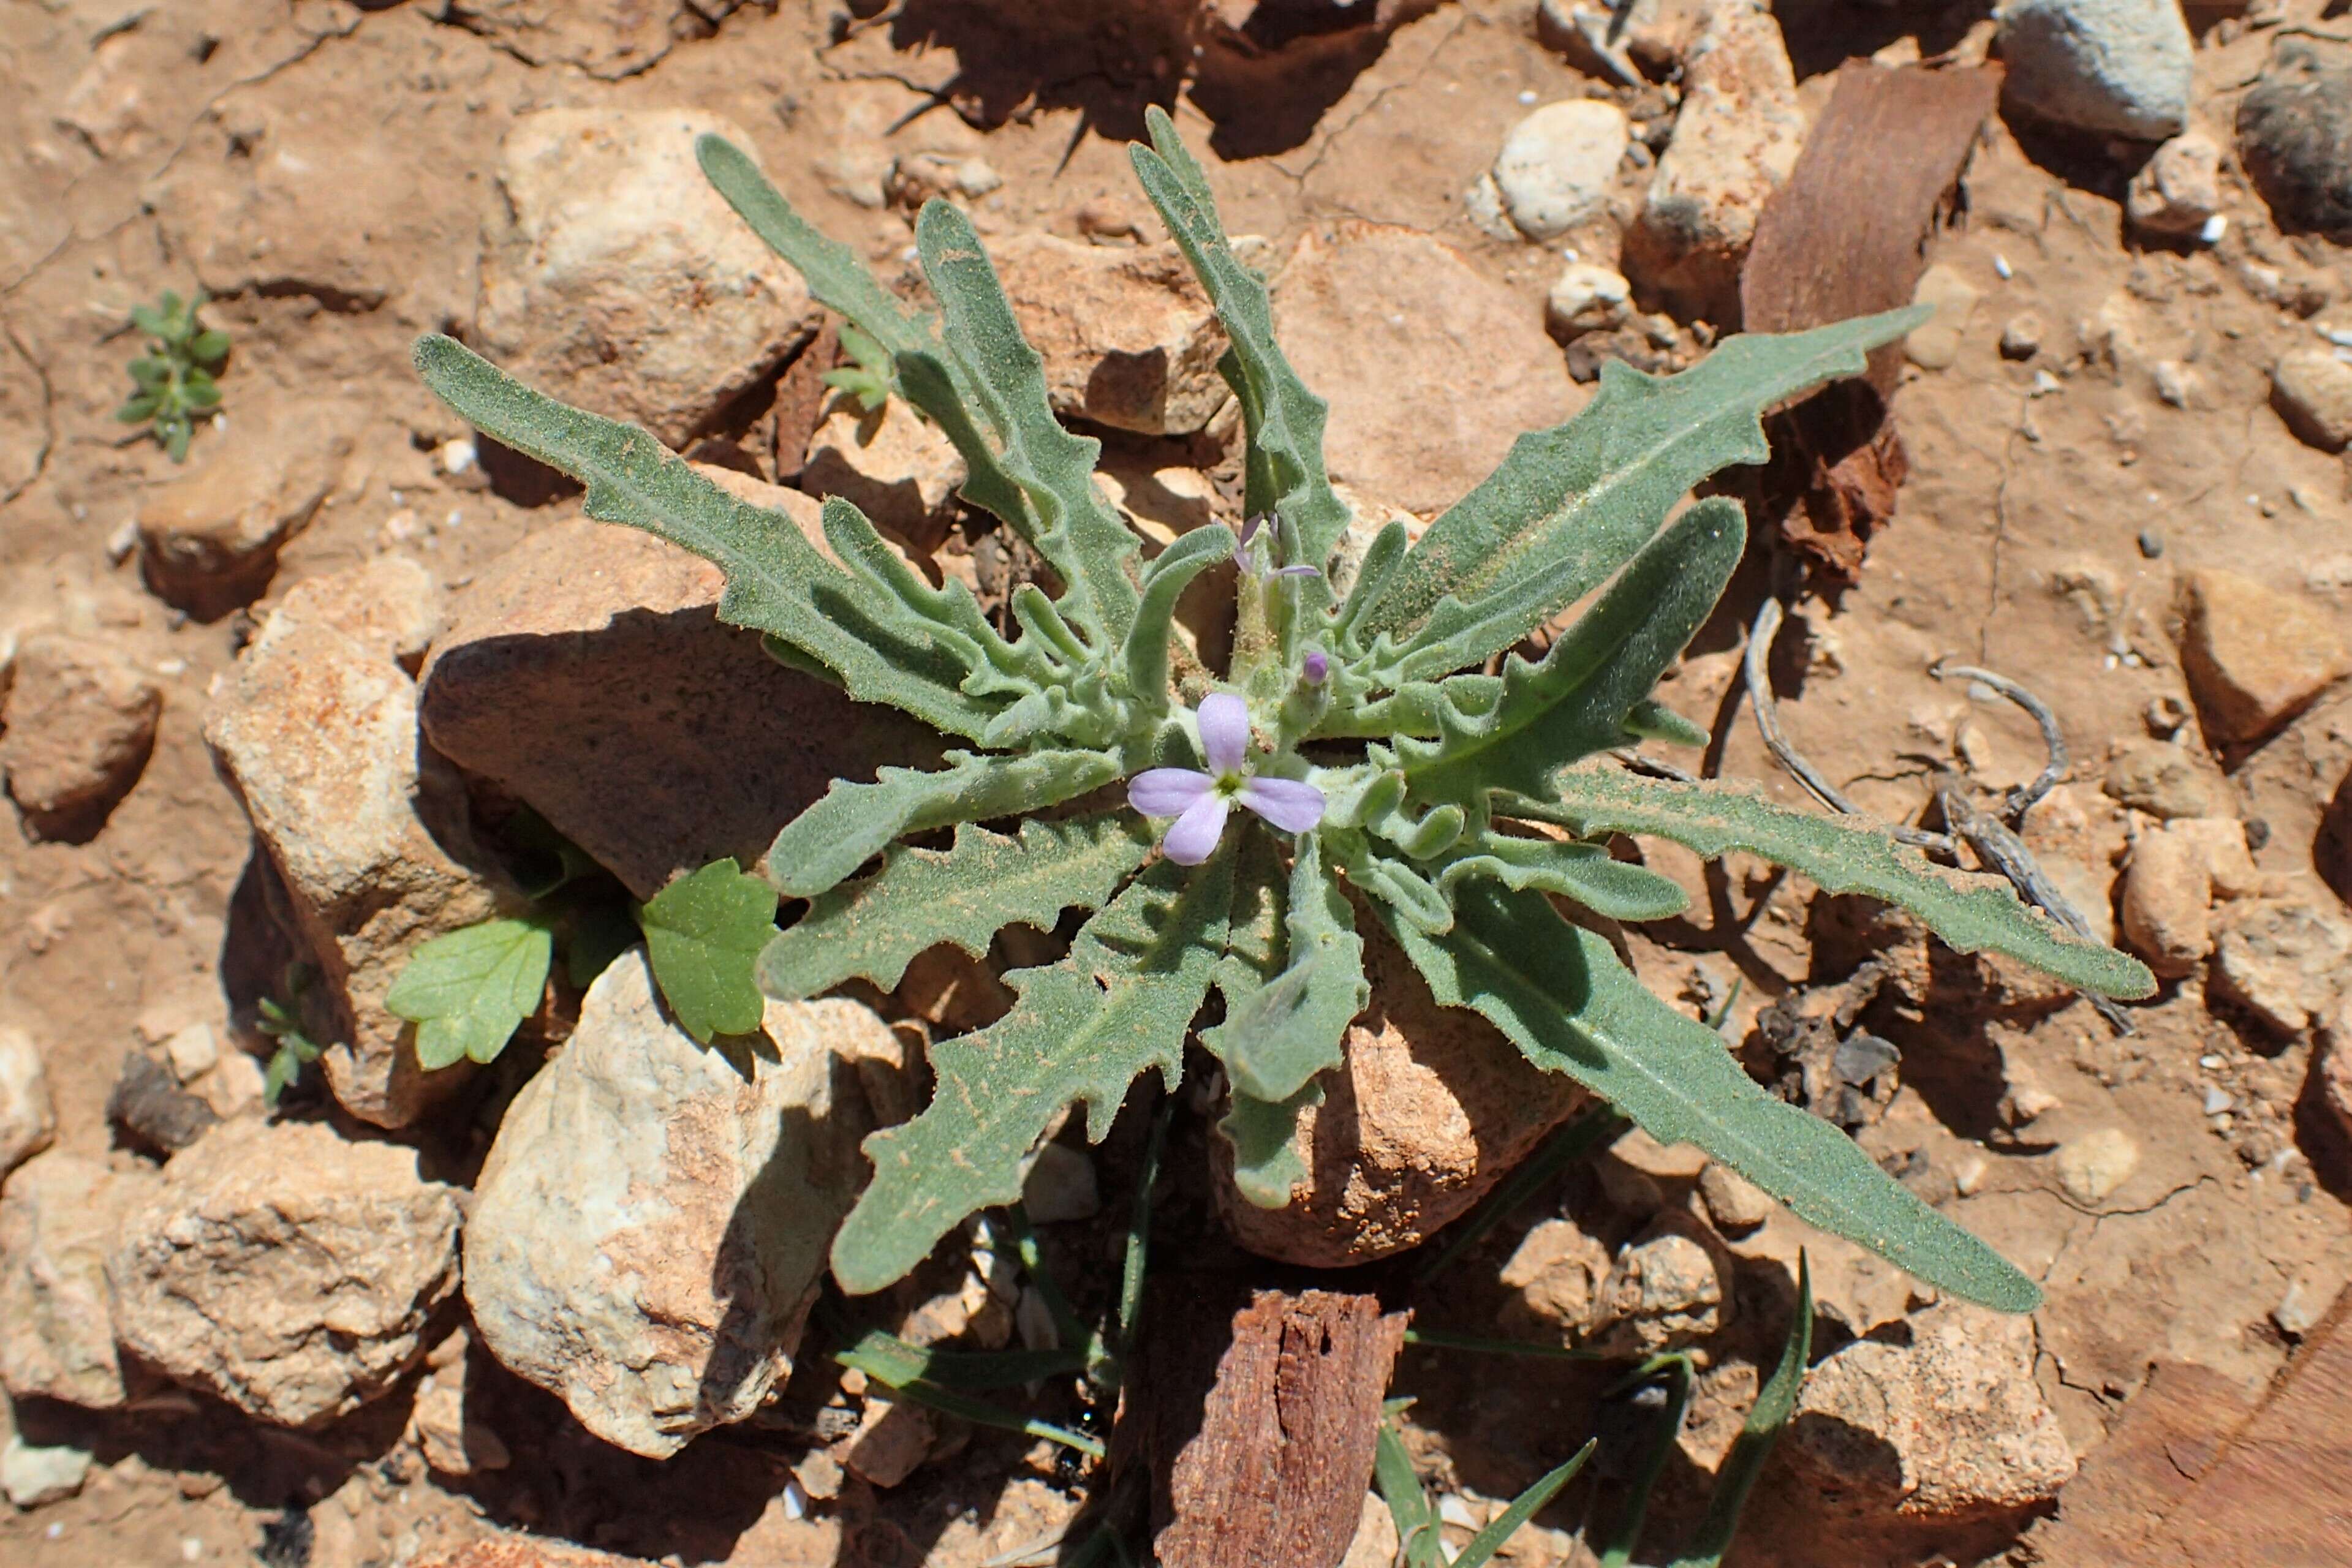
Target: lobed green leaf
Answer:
pixel 1084 1029
pixel 1275 1038
pixel 703 934
pixel 1578 870
pixel 963 896
pixel 1972 914
pixel 466 992
pixel 1559 993
pixel 1145 656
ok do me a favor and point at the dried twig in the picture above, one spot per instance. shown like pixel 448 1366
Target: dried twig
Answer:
pixel 2053 739
pixel 1768 722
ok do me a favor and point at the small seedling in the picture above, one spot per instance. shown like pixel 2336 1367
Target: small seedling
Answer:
pixel 174 376
pixel 868 377
pixel 280 1021
pixel 1394 757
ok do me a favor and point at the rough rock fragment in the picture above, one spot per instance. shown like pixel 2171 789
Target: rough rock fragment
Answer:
pixel 1462 374
pixel 892 1440
pixel 80 725
pixel 32 1474
pixel 1935 344
pixel 2117 66
pixel 1736 137
pixel 2254 657
pixel 442 1422
pixel 2093 1166
pixel 209 538
pixel 2282 959
pixel 147 1103
pixel 1432 1107
pixel 318 734
pixel 1670 1286
pixel 389 604
pixel 2312 388
pixel 1948 1427
pixel 286 1270
pixel 2167 893
pixel 2163 778
pixel 1733 1202
pixel 2177 192
pixel 2295 136
pixel 1586 298
pixel 586 671
pixel 1558 164
pixel 28 1117
pixel 626 282
pixel 893 464
pixel 651 1223
pixel 60 1217
pixel 1127 338
pixel 1557 1270
pixel 606 38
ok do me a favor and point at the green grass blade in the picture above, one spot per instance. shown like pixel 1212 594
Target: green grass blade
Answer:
pixel 1775 1402
pixel 1625 1530
pixel 1506 1524
pixel 1420 1544
pixel 1564 1149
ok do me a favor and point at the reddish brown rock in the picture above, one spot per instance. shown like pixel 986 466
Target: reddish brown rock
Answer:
pixel 587 671
pixel 81 726
pixel 2255 656
pixel 1127 338
pixel 1432 1108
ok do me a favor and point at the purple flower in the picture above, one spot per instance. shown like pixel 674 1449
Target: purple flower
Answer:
pixel 1315 668
pixel 1201 801
pixel 1250 526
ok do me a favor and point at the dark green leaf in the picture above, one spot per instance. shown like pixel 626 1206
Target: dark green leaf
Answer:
pixel 703 934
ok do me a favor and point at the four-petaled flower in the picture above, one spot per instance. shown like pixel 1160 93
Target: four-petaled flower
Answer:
pixel 1201 801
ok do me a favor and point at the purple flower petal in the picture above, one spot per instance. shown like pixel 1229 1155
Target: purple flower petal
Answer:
pixel 1224 732
pixel 1297 571
pixel 1315 668
pixel 1291 804
pixel 1167 791
pixel 1250 527
pixel 1194 837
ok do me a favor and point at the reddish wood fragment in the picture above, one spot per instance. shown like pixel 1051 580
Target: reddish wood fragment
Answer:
pixel 1847 236
pixel 801 394
pixel 1256 1413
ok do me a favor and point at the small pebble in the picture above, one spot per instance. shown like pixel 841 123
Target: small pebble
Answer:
pixel 2215 227
pixel 2209 1062
pixel 2217 1100
pixel 1457 1512
pixel 457 454
pixel 795 1503
pixel 2022 338
pixel 2151 543
pixel 1970 1174
pixel 2001 266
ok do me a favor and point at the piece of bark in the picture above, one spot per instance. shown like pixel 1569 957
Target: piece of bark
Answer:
pixel 1847 236
pixel 1256 1413
pixel 801 394
pixel 2197 1472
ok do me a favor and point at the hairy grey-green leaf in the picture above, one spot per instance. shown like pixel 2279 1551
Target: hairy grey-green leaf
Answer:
pixel 1283 419
pixel 964 895
pixel 466 990
pixel 1972 914
pixel 1268 1164
pixel 1559 993
pixel 954 619
pixel 853 822
pixel 1570 504
pixel 1170 574
pixel 1584 872
pixel 703 934
pixel 1084 1029
pixel 1079 535
pixel 1278 1037
pixel 777 581
pixel 1573 701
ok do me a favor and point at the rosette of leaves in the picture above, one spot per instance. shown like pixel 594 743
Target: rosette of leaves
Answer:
pixel 1457 807
pixel 173 381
